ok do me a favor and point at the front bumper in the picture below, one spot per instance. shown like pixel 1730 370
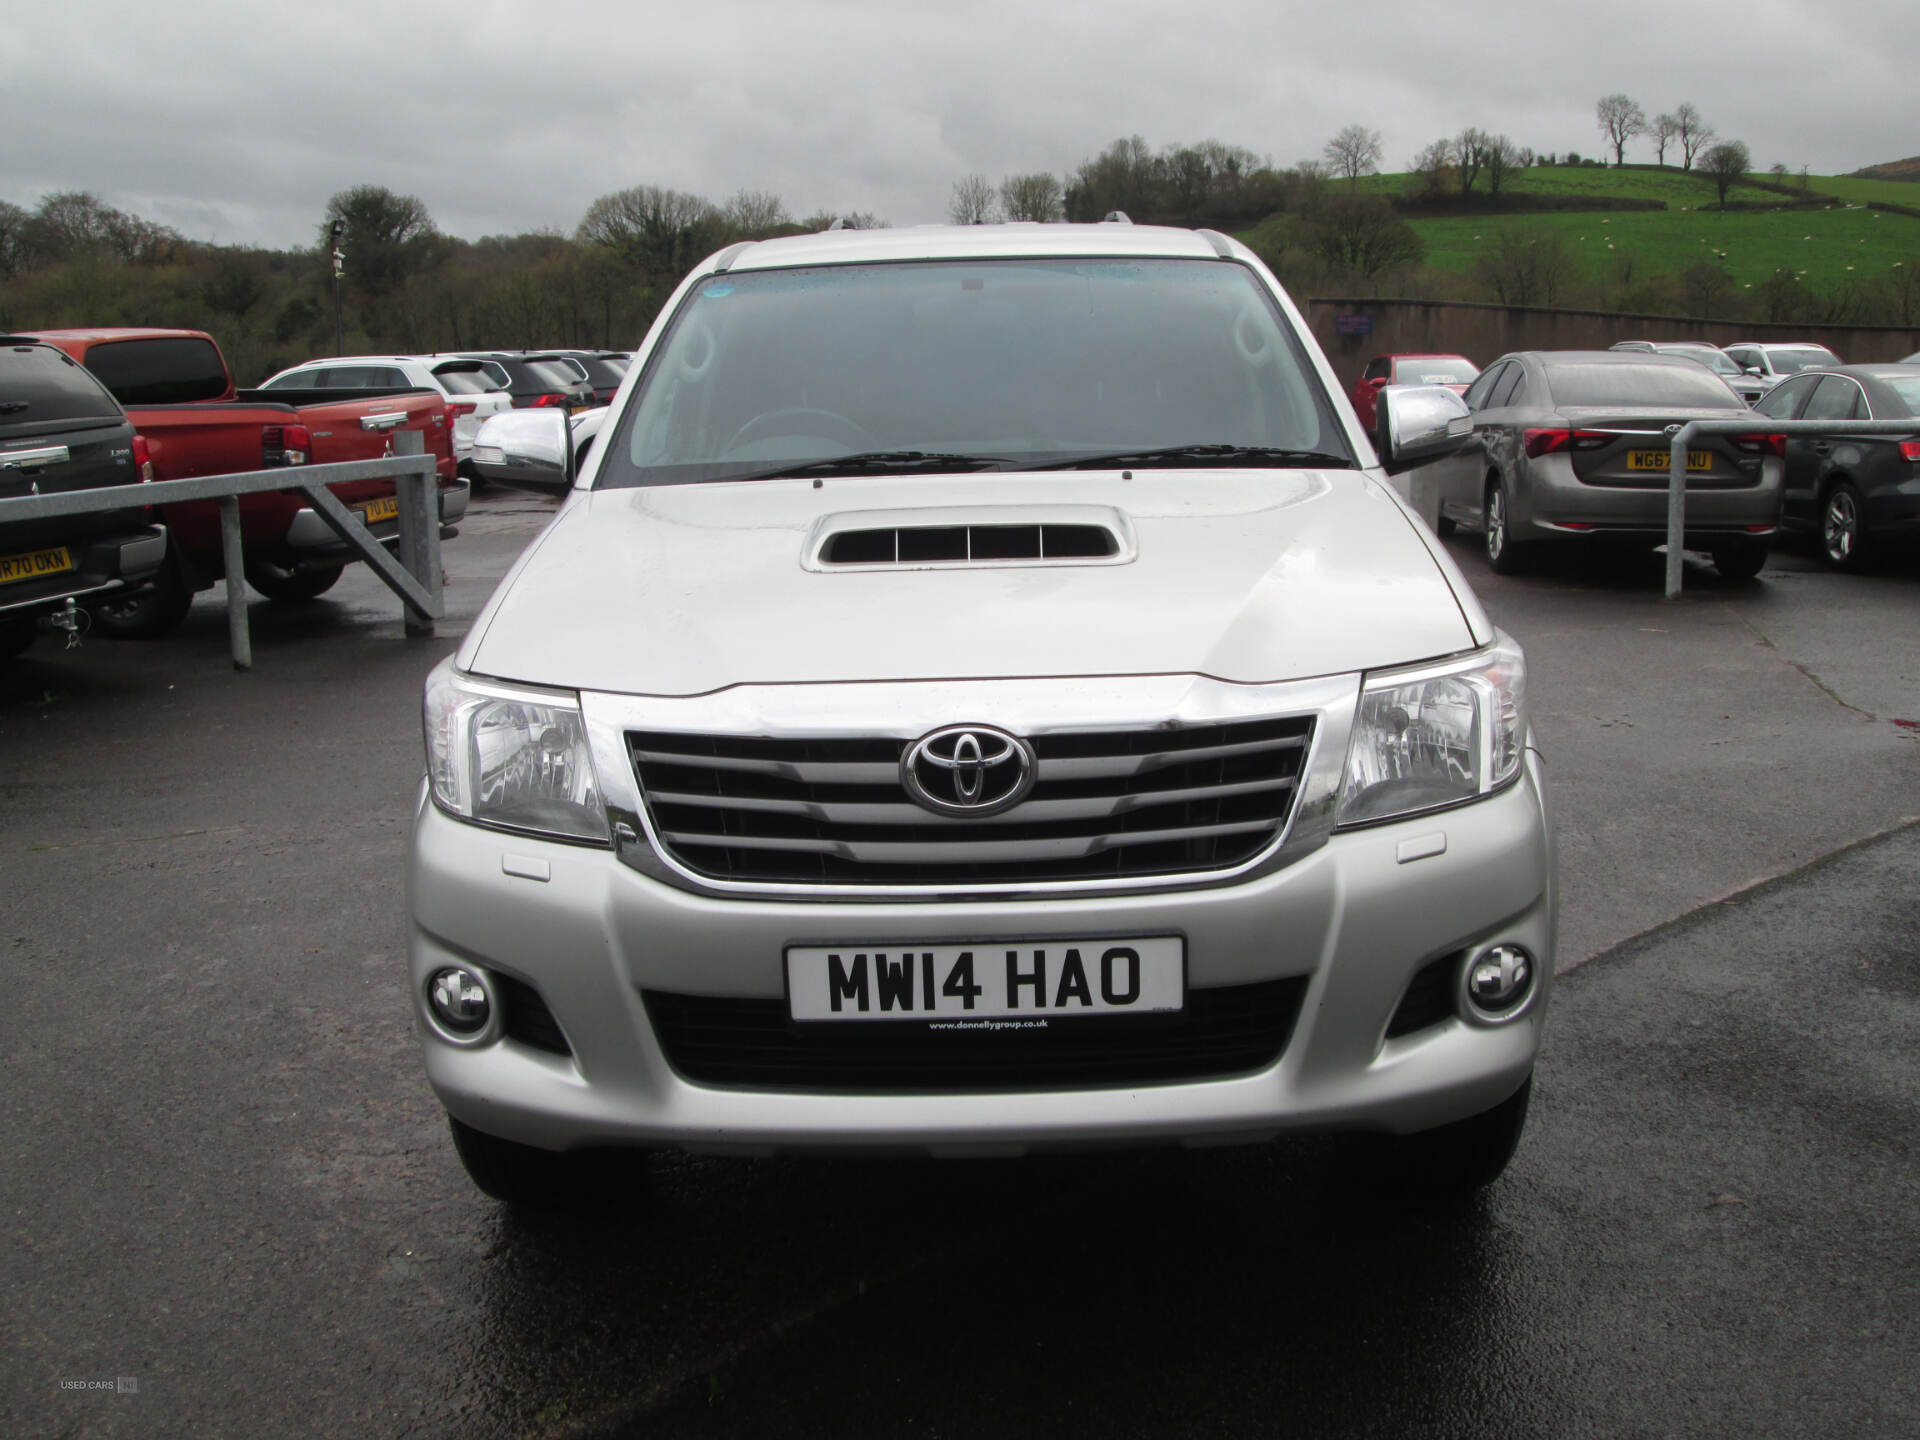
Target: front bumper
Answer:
pixel 1352 918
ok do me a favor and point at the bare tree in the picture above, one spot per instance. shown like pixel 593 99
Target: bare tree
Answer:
pixel 1726 165
pixel 1361 234
pixel 1434 167
pixel 1525 266
pixel 1470 150
pixel 1502 157
pixel 1620 119
pixel 1692 131
pixel 756 213
pixel 1665 130
pixel 13 225
pixel 652 228
pixel 388 237
pixel 1032 197
pixel 974 201
pixel 1354 152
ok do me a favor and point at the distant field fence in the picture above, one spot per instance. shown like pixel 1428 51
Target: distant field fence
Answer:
pixel 1351 331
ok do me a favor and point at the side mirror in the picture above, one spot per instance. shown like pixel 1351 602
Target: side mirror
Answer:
pixel 527 449
pixel 1418 423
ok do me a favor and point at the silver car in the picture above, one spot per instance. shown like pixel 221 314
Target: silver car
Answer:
pixel 982 694
pixel 1570 447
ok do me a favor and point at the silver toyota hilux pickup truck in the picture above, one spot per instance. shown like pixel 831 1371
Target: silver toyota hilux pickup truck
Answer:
pixel 982 693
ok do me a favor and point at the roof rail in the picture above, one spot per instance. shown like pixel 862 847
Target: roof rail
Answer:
pixel 837 224
pixel 726 257
pixel 1115 217
pixel 1221 246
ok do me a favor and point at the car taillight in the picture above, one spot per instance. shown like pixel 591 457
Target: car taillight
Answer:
pixel 1775 444
pixel 457 408
pixel 284 445
pixel 142 457
pixel 555 398
pixel 1910 449
pixel 1549 442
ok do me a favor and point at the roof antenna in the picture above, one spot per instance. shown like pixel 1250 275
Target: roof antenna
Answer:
pixel 1115 217
pixel 838 224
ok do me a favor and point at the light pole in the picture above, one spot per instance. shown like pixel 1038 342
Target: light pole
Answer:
pixel 334 232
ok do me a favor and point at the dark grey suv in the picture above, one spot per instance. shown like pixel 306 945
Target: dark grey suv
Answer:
pixel 61 431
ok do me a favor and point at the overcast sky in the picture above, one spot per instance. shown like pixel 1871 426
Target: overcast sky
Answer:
pixel 234 123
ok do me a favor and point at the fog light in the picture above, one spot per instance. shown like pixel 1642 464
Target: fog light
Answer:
pixel 459 999
pixel 1499 980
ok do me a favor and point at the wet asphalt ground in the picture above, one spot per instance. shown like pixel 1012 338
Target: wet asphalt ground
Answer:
pixel 223 1178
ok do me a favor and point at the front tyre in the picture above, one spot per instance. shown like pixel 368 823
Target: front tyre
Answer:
pixel 1449 1164
pixel 276 582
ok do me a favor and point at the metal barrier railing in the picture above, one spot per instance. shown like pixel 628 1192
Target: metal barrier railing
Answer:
pixel 414 577
pixel 1683 436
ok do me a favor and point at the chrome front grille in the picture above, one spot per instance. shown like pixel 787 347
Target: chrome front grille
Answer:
pixel 1108 804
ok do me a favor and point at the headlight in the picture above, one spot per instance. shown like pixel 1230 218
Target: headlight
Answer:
pixel 511 756
pixel 1437 736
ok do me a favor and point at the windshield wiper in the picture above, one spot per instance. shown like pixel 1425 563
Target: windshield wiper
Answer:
pixel 1256 455
pixel 879 462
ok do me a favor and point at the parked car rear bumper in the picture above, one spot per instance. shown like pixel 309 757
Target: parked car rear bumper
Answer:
pixel 102 564
pixel 1554 498
pixel 310 535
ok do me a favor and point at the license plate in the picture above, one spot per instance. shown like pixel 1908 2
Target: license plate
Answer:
pixel 989 985
pixel 377 510
pixel 1663 460
pixel 34 564
pixel 576 409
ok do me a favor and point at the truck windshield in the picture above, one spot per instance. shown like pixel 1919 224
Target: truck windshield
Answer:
pixel 1021 363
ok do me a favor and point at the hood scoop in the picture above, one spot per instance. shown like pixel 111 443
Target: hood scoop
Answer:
pixel 970 538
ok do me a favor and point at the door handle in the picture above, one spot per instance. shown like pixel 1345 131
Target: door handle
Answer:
pixel 1822 446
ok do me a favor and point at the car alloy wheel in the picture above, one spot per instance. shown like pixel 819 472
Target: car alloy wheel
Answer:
pixel 1840 536
pixel 1496 523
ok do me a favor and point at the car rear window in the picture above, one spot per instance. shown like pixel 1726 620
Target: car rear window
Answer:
pixel 1792 362
pixel 1437 370
pixel 1717 361
pixel 1907 387
pixel 465 379
pixel 1692 386
pixel 166 370
pixel 555 372
pixel 40 386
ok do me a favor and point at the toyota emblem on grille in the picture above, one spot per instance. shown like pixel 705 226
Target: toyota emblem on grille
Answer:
pixel 971 770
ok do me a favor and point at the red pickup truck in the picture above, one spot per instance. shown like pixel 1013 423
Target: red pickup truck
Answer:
pixel 180 396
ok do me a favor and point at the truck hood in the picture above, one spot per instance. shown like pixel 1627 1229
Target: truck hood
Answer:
pixel 1243 575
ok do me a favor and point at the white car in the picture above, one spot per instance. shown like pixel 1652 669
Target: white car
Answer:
pixel 474 389
pixel 982 694
pixel 1775 362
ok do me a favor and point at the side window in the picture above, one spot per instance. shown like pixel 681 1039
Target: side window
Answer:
pixel 1783 402
pixel 1377 368
pixel 1476 396
pixel 1837 398
pixel 390 376
pixel 1503 393
pixel 1746 359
